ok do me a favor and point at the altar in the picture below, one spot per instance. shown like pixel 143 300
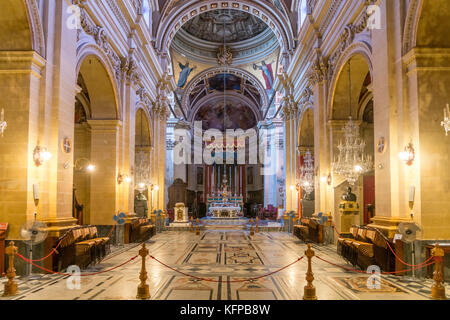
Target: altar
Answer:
pixel 225 211
pixel 225 205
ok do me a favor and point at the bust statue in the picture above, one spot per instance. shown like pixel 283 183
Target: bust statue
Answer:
pixel 349 196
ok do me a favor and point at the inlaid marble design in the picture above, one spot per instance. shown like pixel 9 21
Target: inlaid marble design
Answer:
pixel 227 263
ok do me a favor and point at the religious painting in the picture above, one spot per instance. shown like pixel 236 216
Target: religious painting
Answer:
pixel 224 82
pixel 233 116
pixel 267 72
pixel 185 72
pixel 80 113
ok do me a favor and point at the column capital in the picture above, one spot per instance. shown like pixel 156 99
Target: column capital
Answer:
pixel 26 62
pixel 105 125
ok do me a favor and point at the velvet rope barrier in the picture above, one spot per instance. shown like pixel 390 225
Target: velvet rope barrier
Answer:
pixel 232 281
pixel 81 275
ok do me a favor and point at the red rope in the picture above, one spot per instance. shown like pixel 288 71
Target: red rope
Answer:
pixel 233 281
pixel 360 271
pixel 81 275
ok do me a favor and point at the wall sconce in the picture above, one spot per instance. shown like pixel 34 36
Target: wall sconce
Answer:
pixel 409 155
pixel 123 177
pixel 3 123
pixel 41 155
pixel 84 164
pixel 329 179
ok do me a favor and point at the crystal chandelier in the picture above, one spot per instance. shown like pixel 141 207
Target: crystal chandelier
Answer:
pixel 352 161
pixel 446 122
pixel 307 173
pixel 3 123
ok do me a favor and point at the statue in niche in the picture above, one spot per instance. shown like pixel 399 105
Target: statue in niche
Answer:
pixel 184 74
pixel 349 196
pixel 224 56
pixel 141 205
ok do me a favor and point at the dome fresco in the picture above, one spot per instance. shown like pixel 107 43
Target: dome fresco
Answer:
pixel 225 26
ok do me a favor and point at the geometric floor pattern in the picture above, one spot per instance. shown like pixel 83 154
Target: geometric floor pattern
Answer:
pixel 229 259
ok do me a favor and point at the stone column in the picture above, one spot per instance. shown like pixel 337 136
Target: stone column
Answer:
pixel 105 156
pixel 428 72
pixel 288 156
pixel 20 78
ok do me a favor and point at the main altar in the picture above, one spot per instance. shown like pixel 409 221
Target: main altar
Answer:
pixel 225 205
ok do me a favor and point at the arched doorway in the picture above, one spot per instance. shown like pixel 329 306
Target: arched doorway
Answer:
pixel 306 182
pixel 144 197
pixel 353 98
pixel 95 144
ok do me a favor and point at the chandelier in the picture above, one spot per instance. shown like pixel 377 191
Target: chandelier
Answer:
pixel 307 173
pixel 3 123
pixel 446 122
pixel 352 160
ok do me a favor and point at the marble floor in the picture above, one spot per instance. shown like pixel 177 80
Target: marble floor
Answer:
pixel 226 258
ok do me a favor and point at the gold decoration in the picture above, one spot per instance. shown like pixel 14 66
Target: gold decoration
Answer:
pixel 11 286
pixel 143 292
pixel 438 290
pixel 310 290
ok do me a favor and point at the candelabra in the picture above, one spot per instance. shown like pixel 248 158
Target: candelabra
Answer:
pixel 3 123
pixel 307 173
pixel 446 122
pixel 352 161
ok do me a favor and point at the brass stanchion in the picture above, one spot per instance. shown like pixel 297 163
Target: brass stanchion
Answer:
pixel 438 290
pixel 192 225
pixel 310 290
pixel 198 227
pixel 11 285
pixel 252 233
pixel 257 225
pixel 143 291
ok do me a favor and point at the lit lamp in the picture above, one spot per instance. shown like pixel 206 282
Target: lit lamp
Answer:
pixel 408 155
pixel 41 155
pixel 123 177
pixel 83 164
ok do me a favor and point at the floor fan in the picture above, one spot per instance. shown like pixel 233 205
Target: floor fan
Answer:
pixel 408 230
pixel 33 233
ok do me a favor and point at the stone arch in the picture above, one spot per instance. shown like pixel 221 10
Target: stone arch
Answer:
pixel 142 111
pixel 427 24
pixel 355 50
pixel 172 22
pixel 231 95
pixel 236 71
pixel 21 27
pixel 96 71
pixel 306 123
